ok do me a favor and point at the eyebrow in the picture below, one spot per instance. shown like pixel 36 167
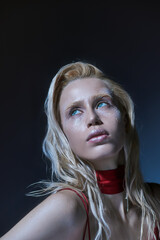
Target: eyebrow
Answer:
pixel 77 103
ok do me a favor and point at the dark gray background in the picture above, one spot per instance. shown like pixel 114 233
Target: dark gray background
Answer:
pixel 36 40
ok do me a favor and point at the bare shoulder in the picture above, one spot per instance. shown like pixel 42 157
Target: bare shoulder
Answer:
pixel 66 202
pixel 59 216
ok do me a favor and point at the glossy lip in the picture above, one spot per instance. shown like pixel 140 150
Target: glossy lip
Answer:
pixel 97 135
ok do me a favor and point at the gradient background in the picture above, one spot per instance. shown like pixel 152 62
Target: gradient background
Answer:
pixel 36 40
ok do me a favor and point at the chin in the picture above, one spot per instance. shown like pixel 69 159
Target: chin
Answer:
pixel 102 154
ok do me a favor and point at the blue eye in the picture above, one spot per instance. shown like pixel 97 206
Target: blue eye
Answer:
pixel 75 112
pixel 102 104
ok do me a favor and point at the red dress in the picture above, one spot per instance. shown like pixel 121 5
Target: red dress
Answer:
pixel 86 206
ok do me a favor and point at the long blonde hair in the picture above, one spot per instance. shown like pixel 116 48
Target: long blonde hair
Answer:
pixel 71 171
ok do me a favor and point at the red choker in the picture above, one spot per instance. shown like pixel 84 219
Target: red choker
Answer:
pixel 111 181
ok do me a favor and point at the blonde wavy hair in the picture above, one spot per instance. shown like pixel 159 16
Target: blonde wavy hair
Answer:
pixel 71 171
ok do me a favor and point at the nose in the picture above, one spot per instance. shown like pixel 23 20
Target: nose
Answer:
pixel 93 119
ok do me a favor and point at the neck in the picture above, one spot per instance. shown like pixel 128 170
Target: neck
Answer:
pixel 111 181
pixel 112 186
pixel 111 162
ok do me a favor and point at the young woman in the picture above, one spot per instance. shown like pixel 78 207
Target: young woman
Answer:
pixel 93 147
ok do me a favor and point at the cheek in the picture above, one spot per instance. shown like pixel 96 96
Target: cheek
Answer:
pixel 75 127
pixel 120 127
pixel 113 117
pixel 75 142
pixel 117 115
pixel 73 133
pixel 120 132
pixel 115 124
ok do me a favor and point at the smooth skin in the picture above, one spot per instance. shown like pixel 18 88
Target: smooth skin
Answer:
pixel 88 108
pixel 86 105
pixel 60 216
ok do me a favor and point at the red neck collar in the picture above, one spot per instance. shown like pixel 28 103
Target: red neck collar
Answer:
pixel 111 181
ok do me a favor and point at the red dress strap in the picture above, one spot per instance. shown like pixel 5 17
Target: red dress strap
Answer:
pixel 86 206
pixel 156 232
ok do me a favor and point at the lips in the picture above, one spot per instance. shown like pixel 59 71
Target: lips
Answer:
pixel 97 133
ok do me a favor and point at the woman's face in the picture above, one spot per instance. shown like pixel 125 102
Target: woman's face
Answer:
pixel 93 125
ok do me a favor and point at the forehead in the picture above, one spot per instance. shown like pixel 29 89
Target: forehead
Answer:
pixel 80 89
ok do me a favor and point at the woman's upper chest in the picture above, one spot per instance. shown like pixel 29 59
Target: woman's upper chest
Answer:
pixel 130 229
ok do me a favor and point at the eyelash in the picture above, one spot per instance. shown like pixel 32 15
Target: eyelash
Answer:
pixel 72 111
pixel 106 102
pixel 77 108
